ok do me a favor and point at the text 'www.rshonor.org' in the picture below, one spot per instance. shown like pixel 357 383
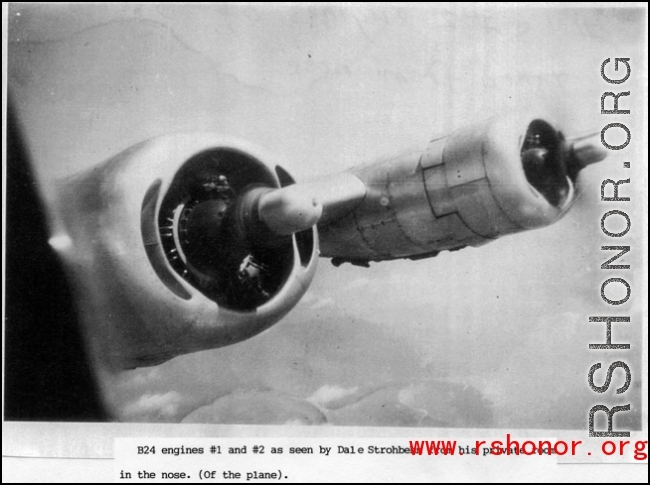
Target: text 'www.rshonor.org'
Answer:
pixel 510 446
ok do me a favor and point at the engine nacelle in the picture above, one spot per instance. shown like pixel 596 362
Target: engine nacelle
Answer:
pixel 481 182
pixel 190 242
pixel 164 257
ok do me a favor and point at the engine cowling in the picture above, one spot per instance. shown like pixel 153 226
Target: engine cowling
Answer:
pixel 483 181
pixel 164 256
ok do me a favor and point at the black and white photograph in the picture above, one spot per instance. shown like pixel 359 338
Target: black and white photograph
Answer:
pixel 311 219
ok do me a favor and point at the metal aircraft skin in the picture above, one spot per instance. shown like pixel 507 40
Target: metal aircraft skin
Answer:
pixel 195 241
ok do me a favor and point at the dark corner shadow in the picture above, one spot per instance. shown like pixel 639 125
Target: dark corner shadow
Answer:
pixel 47 373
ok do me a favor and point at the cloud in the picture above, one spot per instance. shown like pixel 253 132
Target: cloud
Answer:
pixel 422 402
pixel 153 406
pixel 141 377
pixel 330 395
pixel 253 406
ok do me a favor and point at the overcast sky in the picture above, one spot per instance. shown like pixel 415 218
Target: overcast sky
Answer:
pixel 492 337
